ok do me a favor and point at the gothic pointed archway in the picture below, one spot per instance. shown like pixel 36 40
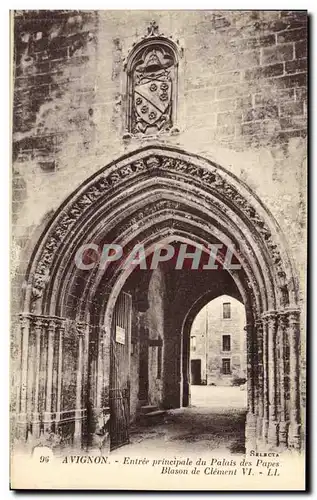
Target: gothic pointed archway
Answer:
pixel 153 195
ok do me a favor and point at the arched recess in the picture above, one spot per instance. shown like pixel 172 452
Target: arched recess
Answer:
pixel 151 92
pixel 152 195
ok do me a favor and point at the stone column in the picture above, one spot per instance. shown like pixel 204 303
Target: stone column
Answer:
pixel 31 372
pixel 282 342
pixel 60 335
pixel 294 394
pixel 78 412
pixel 259 379
pixel 25 333
pixel 251 417
pixel 265 381
pixel 49 374
pixel 100 367
pixel 272 378
pixel 38 331
pixel 250 367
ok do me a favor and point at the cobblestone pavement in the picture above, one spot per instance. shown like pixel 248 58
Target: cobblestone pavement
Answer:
pixel 215 421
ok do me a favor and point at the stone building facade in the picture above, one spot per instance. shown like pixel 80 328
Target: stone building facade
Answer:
pixel 219 155
pixel 218 341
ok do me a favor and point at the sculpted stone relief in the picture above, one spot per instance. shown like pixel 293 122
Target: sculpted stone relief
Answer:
pixel 152 74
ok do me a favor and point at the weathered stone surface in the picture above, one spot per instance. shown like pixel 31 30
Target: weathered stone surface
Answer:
pixel 241 103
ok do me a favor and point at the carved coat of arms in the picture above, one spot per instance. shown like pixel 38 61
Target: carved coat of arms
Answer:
pixel 152 93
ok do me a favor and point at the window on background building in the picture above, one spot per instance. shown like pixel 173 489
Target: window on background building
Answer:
pixel 226 311
pixel 193 343
pixel 226 366
pixel 226 343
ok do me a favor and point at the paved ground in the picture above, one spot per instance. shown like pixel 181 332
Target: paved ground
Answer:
pixel 214 422
pixel 218 397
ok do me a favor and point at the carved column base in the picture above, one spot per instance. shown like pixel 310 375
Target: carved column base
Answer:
pixel 272 435
pixel 294 436
pixel 250 431
pixel 21 428
pixel 47 421
pixel 78 430
pixel 265 429
pixel 283 434
pixel 36 425
pixel 259 427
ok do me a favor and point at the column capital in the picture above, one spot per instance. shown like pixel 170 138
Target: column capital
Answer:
pixel 290 315
pixel 248 327
pixel 269 316
pixel 259 323
pixel 81 328
pixel 38 321
pixel 282 319
pixel 25 319
pixel 41 319
pixel 52 324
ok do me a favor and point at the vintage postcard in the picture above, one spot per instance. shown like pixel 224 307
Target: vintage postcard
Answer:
pixel 158 254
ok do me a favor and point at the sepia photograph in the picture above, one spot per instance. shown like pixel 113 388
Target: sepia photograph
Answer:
pixel 158 249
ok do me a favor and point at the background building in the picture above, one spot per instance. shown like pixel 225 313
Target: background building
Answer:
pixel 223 350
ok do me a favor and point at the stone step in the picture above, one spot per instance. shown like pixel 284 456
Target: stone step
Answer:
pixel 148 409
pixel 153 417
pixel 156 413
pixel 142 402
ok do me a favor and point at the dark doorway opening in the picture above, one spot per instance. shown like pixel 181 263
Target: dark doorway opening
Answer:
pixel 195 371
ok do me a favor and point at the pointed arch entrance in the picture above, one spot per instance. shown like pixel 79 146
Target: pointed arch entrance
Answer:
pixel 155 194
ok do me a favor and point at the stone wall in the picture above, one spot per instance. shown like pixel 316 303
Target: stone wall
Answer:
pixel 242 90
pixel 241 102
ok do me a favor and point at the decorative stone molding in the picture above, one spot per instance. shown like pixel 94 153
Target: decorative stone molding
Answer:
pixel 152 165
pixel 41 320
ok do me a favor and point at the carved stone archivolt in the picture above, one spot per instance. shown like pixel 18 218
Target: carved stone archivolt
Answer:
pixel 153 165
pixel 212 194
